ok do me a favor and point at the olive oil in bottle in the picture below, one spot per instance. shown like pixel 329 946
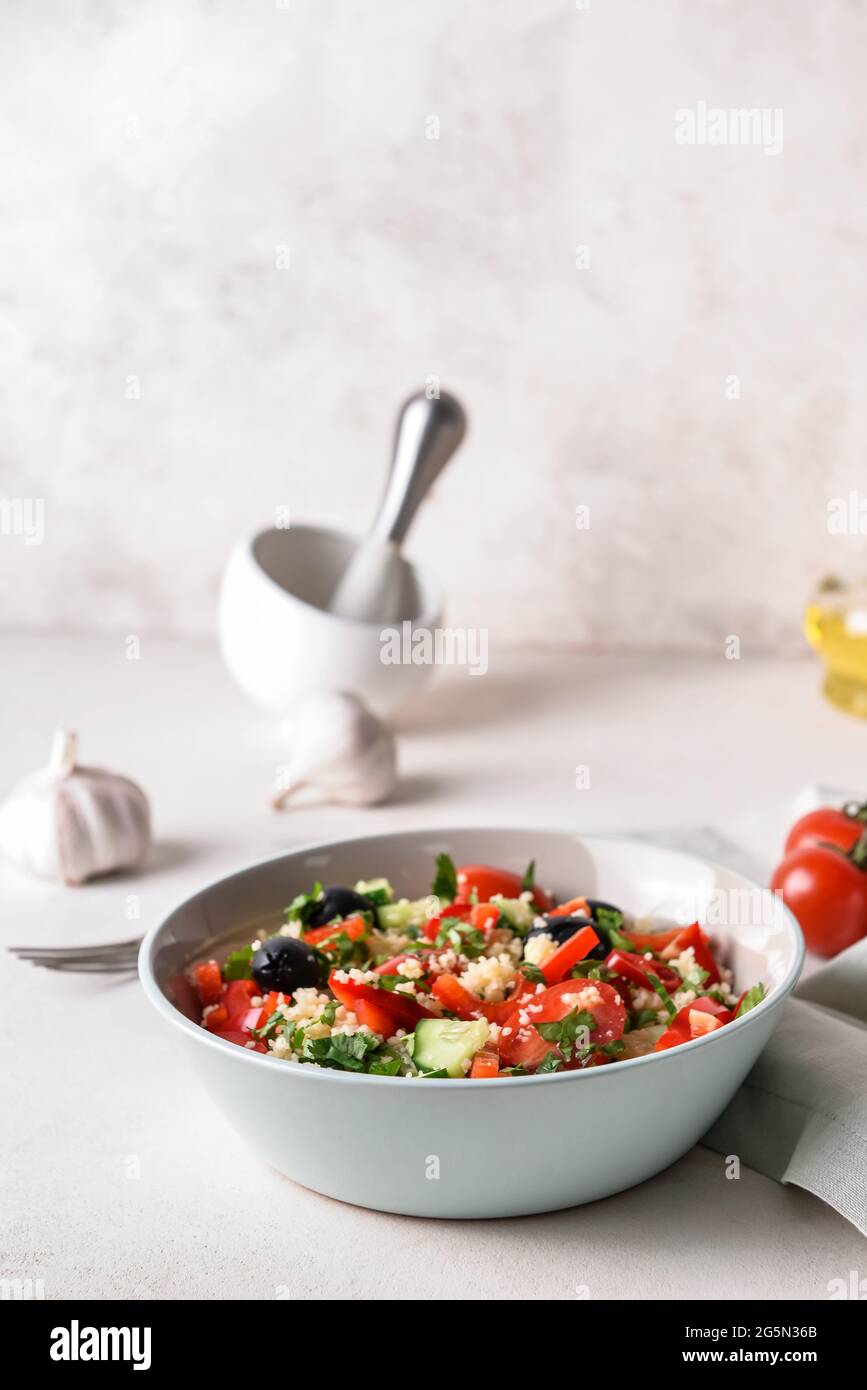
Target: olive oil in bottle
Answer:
pixel 835 623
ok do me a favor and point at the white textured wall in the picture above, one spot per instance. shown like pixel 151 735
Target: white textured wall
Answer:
pixel 156 156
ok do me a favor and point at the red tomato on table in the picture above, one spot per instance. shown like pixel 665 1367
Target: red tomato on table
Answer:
pixel 827 892
pixel 828 825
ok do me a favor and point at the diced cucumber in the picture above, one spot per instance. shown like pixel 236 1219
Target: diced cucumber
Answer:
pixel 518 912
pixel 446 1043
pixel 379 890
pixel 406 913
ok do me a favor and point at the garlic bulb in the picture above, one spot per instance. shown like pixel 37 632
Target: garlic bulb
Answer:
pixel 339 747
pixel 71 823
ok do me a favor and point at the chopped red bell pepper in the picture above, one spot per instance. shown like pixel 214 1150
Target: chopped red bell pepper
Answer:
pixel 694 936
pixel 405 1009
pixel 575 907
pixel 377 1019
pixel 218 1018
pixel 637 970
pixel 574 948
pixel 354 927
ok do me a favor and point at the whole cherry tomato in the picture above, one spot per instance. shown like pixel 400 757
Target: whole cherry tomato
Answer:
pixel 828 826
pixel 827 891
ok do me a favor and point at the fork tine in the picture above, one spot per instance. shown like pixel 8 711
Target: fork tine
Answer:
pixel 77 952
pixel 110 967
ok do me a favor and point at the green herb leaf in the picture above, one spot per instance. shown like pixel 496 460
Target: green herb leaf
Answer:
pixel 752 997
pixel 531 972
pixel 550 1062
pixel 664 995
pixel 462 936
pixel 384 1064
pixel 445 884
pixel 613 1049
pixel 237 966
pixel 589 970
pixel 301 907
pixel 565 1030
pixel 645 1018
pixel 695 979
pixel 528 882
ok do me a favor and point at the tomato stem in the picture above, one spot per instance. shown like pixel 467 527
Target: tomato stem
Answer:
pixel 856 810
pixel 858 852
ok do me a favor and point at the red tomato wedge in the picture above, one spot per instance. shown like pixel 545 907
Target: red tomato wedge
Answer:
pixel 404 1009
pixel 485 1064
pixel 487 882
pixel 218 1018
pixel 635 969
pixel 681 1030
pixel 574 948
pixel 522 1045
pixel 354 927
pixel 209 981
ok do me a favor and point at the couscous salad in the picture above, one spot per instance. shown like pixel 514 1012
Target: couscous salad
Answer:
pixel 486 976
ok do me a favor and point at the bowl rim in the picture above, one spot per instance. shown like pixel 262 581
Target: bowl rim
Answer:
pixel 431 592
pixel 328 1076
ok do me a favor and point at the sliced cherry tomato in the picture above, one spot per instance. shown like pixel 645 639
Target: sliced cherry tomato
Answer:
pixel 635 969
pixel 209 981
pixel 354 928
pixel 485 1064
pixel 682 1030
pixel 487 882
pixel 520 1042
pixel 404 1008
pixel 576 907
pixel 233 1035
pixel 377 1019
pixel 828 826
pixel 574 948
pixel 218 1018
pixel 432 926
pixel 558 1001
pixel 827 892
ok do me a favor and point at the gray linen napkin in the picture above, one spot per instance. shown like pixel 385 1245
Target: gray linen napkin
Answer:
pixel 801 1114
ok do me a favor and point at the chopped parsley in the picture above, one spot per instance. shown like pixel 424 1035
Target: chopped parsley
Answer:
pixel 566 1030
pixel 752 997
pixel 462 936
pixel 301 907
pixel 445 884
pixel 663 993
pixel 528 881
pixel 237 965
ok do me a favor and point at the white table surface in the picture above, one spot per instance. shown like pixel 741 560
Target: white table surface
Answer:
pixel 120 1178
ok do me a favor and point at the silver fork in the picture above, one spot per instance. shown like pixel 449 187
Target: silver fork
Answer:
pixel 114 958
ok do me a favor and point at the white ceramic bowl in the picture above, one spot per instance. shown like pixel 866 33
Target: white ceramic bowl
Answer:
pixel 280 644
pixel 479 1148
